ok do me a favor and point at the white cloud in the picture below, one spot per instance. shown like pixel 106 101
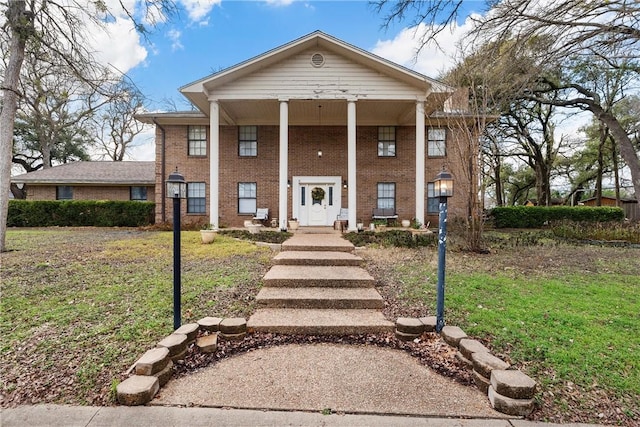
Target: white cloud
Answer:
pixel 434 58
pixel 279 2
pixel 124 54
pixel 174 35
pixel 199 9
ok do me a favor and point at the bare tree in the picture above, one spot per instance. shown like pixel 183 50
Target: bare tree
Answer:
pixel 60 28
pixel 115 125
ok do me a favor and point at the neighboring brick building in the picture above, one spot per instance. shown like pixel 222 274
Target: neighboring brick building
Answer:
pixel 91 181
pixel 308 128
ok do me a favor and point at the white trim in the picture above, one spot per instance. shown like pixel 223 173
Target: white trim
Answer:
pixel 352 192
pixel 420 162
pixel 284 164
pixel 214 162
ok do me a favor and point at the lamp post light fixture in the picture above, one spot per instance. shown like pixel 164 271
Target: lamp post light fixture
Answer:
pixel 443 188
pixel 176 190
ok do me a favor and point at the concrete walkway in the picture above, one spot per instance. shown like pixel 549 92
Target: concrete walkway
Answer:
pixel 158 416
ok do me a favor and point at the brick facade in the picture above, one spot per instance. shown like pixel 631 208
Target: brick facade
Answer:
pixel 304 143
pixel 85 192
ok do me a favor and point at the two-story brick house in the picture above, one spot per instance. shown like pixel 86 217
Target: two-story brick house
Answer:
pixel 306 129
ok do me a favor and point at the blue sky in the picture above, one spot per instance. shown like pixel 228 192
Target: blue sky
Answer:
pixel 184 50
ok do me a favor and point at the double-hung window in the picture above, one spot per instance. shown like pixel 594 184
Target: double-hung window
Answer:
pixel 437 145
pixel 64 192
pixel 248 141
pixel 247 198
pixel 197 140
pixel 138 194
pixel 433 202
pixel 386 141
pixel 196 200
pixel 386 195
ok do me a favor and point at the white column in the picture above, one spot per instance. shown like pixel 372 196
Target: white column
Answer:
pixel 420 162
pixel 284 164
pixel 214 162
pixel 351 164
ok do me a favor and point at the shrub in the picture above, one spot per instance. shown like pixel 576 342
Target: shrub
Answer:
pixel 78 213
pixel 605 231
pixel 538 216
pixel 398 238
pixel 263 236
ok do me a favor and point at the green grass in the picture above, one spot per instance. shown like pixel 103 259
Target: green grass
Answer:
pixel 87 302
pixel 575 326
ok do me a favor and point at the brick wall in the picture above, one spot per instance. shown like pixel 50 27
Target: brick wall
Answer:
pixel 304 143
pixel 82 192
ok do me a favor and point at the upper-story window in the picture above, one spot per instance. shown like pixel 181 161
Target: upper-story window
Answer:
pixel 386 141
pixel 248 141
pixel 197 140
pixel 437 146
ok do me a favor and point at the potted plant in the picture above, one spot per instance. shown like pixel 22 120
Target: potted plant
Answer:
pixel 208 233
pixel 406 223
pixel 360 225
pixel 293 224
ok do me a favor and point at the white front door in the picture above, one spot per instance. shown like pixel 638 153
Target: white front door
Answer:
pixel 316 199
pixel 317 209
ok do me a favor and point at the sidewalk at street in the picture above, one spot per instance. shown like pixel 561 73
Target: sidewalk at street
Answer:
pixel 159 416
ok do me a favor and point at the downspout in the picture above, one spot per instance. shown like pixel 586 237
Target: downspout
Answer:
pixel 163 190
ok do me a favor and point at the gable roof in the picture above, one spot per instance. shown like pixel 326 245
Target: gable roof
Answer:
pixel 197 92
pixel 92 173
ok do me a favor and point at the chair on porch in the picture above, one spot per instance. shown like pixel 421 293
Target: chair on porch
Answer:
pixel 262 215
pixel 342 220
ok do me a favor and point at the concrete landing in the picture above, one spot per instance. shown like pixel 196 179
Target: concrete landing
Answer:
pixel 319 321
pixel 319 297
pixel 317 242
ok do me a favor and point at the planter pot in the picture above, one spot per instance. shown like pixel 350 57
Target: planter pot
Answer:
pixel 254 228
pixel 360 226
pixel 293 225
pixel 248 222
pixel 406 223
pixel 208 236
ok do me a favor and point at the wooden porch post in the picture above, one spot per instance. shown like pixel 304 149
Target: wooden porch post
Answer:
pixel 420 162
pixel 214 162
pixel 284 164
pixel 351 163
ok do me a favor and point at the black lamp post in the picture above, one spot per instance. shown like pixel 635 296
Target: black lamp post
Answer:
pixel 443 188
pixel 176 190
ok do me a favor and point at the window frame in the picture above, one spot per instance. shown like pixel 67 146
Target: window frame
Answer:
pixel 253 193
pixel 201 206
pixel 60 189
pixel 433 202
pixel 197 147
pixel 253 149
pixel 436 147
pixel 385 144
pixel 141 188
pixel 378 192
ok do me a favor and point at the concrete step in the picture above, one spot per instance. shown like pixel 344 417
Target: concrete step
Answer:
pixel 317 242
pixel 317 258
pixel 297 276
pixel 330 298
pixel 318 321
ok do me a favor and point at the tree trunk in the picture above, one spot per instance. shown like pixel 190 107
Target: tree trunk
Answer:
pixel 627 151
pixel 616 172
pixel 603 137
pixel 20 24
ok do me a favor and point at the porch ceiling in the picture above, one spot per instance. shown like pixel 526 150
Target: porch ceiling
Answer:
pixel 319 112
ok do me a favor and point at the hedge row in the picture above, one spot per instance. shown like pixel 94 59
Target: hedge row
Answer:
pixel 537 216
pixel 77 213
